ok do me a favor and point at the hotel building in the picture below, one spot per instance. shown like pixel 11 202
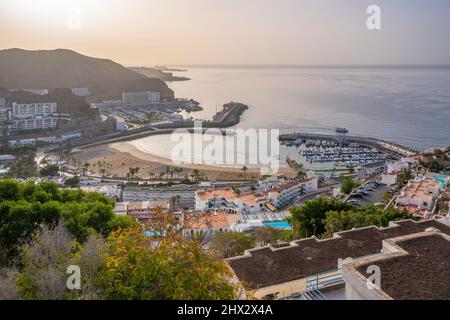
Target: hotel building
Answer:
pixel 136 99
pixel 33 116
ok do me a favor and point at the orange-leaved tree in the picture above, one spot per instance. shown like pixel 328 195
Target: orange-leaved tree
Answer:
pixel 157 262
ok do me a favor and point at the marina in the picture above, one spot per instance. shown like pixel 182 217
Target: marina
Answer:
pixel 350 156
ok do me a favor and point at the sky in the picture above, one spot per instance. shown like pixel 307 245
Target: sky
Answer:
pixel 232 32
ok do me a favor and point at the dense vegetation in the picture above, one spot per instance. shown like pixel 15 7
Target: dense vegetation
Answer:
pixel 45 230
pixel 323 217
pixel 25 206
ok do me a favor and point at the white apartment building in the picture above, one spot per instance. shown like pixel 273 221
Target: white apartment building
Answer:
pixel 34 124
pixel 419 196
pixel 33 116
pixel 3 114
pixel 135 99
pixel 398 166
pixel 27 110
pixel 371 169
pixel 252 203
pixel 218 198
pixel 81 92
pixel 40 92
pixel 285 193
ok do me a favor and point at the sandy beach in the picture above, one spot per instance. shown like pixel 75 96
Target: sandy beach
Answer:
pixel 119 157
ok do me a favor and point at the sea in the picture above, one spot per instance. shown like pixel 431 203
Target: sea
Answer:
pixel 409 105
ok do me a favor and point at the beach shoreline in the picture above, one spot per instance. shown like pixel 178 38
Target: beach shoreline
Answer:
pixel 134 151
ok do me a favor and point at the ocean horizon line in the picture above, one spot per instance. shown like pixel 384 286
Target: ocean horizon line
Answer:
pixel 316 66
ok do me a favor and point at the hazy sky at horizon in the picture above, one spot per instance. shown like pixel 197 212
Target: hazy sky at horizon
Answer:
pixel 147 32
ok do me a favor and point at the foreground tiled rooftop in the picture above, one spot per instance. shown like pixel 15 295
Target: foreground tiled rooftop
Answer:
pixel 264 267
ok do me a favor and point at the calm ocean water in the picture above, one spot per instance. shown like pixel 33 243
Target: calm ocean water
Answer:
pixel 410 105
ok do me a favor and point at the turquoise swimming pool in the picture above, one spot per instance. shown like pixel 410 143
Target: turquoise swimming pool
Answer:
pixel 441 181
pixel 278 225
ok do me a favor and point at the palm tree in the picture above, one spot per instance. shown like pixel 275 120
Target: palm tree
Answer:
pixel 133 171
pixel 244 171
pixel 86 166
pixel 137 169
pixel 195 174
pixel 173 201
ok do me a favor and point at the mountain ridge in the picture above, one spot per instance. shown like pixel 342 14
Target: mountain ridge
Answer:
pixel 65 68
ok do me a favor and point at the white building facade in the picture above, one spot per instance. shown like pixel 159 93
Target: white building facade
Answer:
pixel 134 99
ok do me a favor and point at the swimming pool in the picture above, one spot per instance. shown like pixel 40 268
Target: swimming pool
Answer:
pixel 278 225
pixel 441 181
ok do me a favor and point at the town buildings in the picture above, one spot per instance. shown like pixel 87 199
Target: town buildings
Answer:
pixel 371 170
pixel 216 198
pixel 135 99
pixel 208 223
pixel 272 199
pixel 419 196
pixel 3 116
pixel 120 123
pixel 51 139
pixel 285 193
pixel 398 167
pixel 81 92
pixel 389 179
pixel 33 116
pixel 142 211
pixel 40 92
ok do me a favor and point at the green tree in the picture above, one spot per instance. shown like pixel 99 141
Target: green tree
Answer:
pixel 268 235
pixel 49 171
pixel 10 190
pixel 347 186
pixel 309 218
pixel 73 182
pixel 23 207
pixel 361 217
pixel 231 244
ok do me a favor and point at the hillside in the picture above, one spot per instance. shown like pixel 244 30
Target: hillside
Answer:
pixel 51 69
